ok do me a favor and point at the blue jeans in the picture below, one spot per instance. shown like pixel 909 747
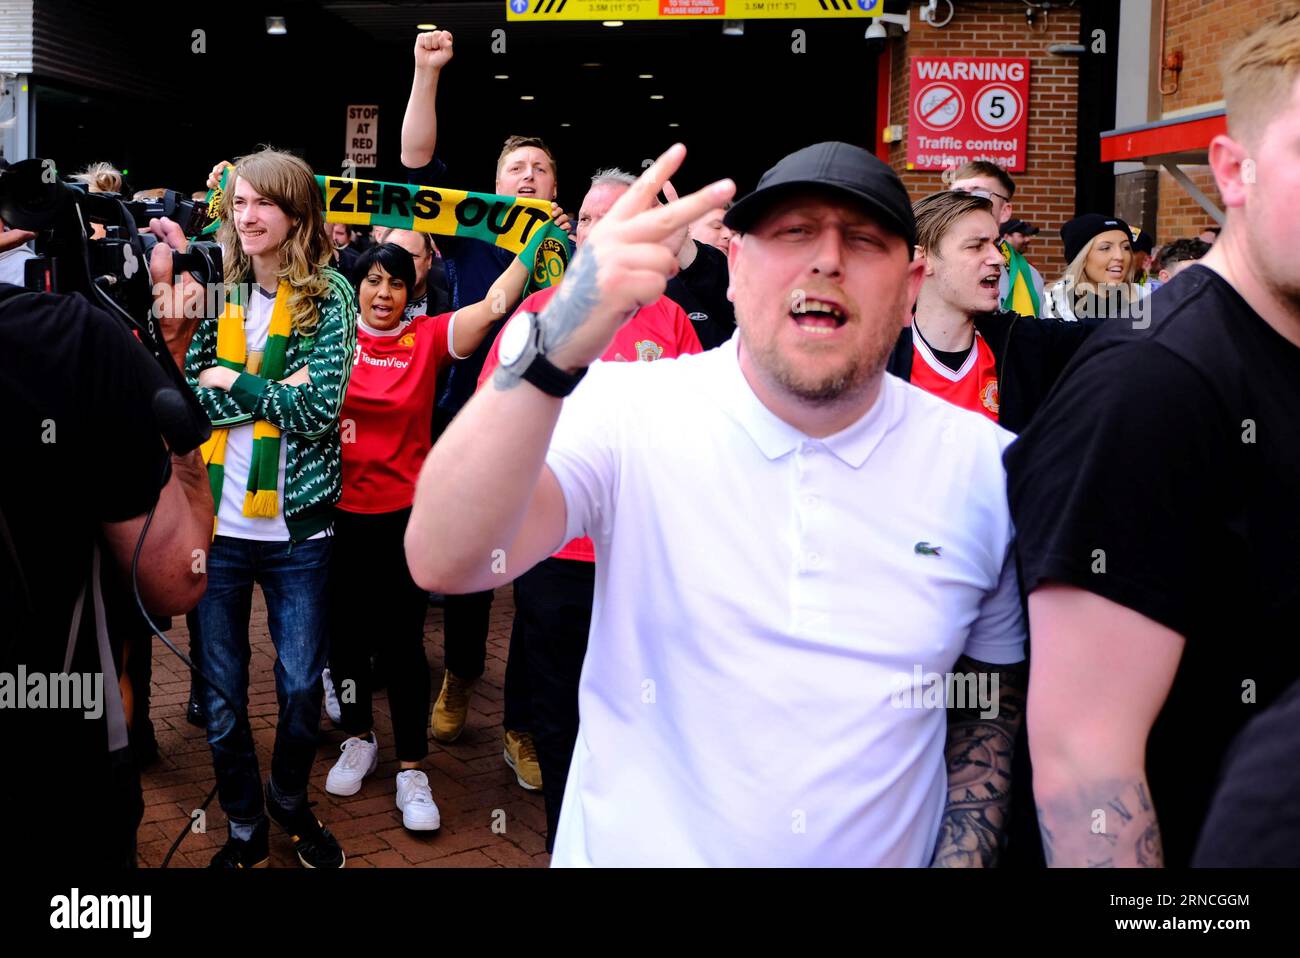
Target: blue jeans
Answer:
pixel 293 577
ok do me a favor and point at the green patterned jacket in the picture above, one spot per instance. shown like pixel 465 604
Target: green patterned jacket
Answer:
pixel 308 416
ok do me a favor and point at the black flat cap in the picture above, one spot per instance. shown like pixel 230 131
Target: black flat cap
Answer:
pixel 838 167
pixel 1017 226
pixel 1143 242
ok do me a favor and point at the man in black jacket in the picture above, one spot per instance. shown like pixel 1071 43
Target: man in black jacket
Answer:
pixel 961 345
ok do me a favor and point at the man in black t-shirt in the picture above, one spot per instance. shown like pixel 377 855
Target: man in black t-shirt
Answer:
pixel 1155 499
pixel 700 289
pixel 84 465
pixel 1254 821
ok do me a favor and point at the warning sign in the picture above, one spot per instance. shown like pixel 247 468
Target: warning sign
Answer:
pixel 362 149
pixel 968 108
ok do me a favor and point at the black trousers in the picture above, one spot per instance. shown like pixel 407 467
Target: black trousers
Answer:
pixel 465 628
pixel 465 620
pixel 375 607
pixel 552 618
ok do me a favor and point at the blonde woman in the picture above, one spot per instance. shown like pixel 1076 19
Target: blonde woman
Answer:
pixel 1096 284
pixel 100 178
pixel 271 373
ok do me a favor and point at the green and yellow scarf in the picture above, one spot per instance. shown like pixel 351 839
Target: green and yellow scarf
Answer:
pixel 260 498
pixel 1021 297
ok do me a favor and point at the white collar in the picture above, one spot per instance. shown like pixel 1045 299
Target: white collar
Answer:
pixel 395 331
pixel 776 438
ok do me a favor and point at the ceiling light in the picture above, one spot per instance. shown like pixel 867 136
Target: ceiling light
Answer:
pixel 276 26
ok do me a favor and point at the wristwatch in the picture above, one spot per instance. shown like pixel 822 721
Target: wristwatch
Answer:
pixel 521 352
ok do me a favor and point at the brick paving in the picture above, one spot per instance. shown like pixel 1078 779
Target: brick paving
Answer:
pixel 469 779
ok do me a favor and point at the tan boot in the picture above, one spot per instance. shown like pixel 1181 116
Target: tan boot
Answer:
pixel 451 709
pixel 521 756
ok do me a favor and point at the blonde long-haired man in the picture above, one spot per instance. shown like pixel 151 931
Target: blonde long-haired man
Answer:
pixel 271 374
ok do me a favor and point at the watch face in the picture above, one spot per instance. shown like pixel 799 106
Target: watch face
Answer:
pixel 514 339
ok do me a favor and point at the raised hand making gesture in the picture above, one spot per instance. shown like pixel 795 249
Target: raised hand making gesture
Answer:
pixel 624 264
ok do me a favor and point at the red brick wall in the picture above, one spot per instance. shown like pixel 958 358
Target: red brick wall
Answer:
pixel 1045 191
pixel 1203 30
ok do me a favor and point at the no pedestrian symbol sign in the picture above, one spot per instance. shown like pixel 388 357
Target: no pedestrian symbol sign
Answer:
pixel 968 108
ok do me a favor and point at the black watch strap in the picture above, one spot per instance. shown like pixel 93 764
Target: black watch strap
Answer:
pixel 550 379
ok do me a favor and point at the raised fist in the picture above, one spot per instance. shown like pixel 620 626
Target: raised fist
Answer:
pixel 433 50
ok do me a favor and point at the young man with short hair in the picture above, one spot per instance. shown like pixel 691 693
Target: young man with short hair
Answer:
pixel 1021 286
pixel 960 345
pixel 1177 256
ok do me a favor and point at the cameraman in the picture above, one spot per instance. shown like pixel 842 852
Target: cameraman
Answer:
pixel 84 466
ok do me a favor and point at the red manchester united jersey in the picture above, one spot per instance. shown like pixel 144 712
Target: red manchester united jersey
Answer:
pixel 974 386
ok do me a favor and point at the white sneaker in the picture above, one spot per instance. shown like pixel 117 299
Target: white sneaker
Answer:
pixel 358 760
pixel 419 813
pixel 332 707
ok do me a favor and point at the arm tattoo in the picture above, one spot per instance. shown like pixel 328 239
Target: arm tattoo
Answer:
pixel 981 742
pixel 1110 824
pixel 571 306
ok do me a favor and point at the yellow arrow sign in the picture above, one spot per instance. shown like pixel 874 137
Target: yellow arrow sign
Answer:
pixel 535 10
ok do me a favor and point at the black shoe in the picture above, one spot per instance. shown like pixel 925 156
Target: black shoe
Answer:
pixel 194 712
pixel 315 846
pixel 254 853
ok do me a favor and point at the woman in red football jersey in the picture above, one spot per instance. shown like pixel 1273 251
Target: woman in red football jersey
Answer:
pixel 375 607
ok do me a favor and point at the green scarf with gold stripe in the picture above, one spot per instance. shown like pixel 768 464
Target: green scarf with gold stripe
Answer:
pixel 260 496
pixel 1021 296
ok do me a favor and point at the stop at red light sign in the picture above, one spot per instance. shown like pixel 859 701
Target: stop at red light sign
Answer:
pixel 968 108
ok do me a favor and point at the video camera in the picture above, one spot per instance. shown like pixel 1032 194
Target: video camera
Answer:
pixel 113 270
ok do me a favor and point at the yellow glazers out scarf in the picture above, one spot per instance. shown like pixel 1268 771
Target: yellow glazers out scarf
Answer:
pixel 260 499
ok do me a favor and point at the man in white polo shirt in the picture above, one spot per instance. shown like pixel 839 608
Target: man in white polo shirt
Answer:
pixel 793 550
